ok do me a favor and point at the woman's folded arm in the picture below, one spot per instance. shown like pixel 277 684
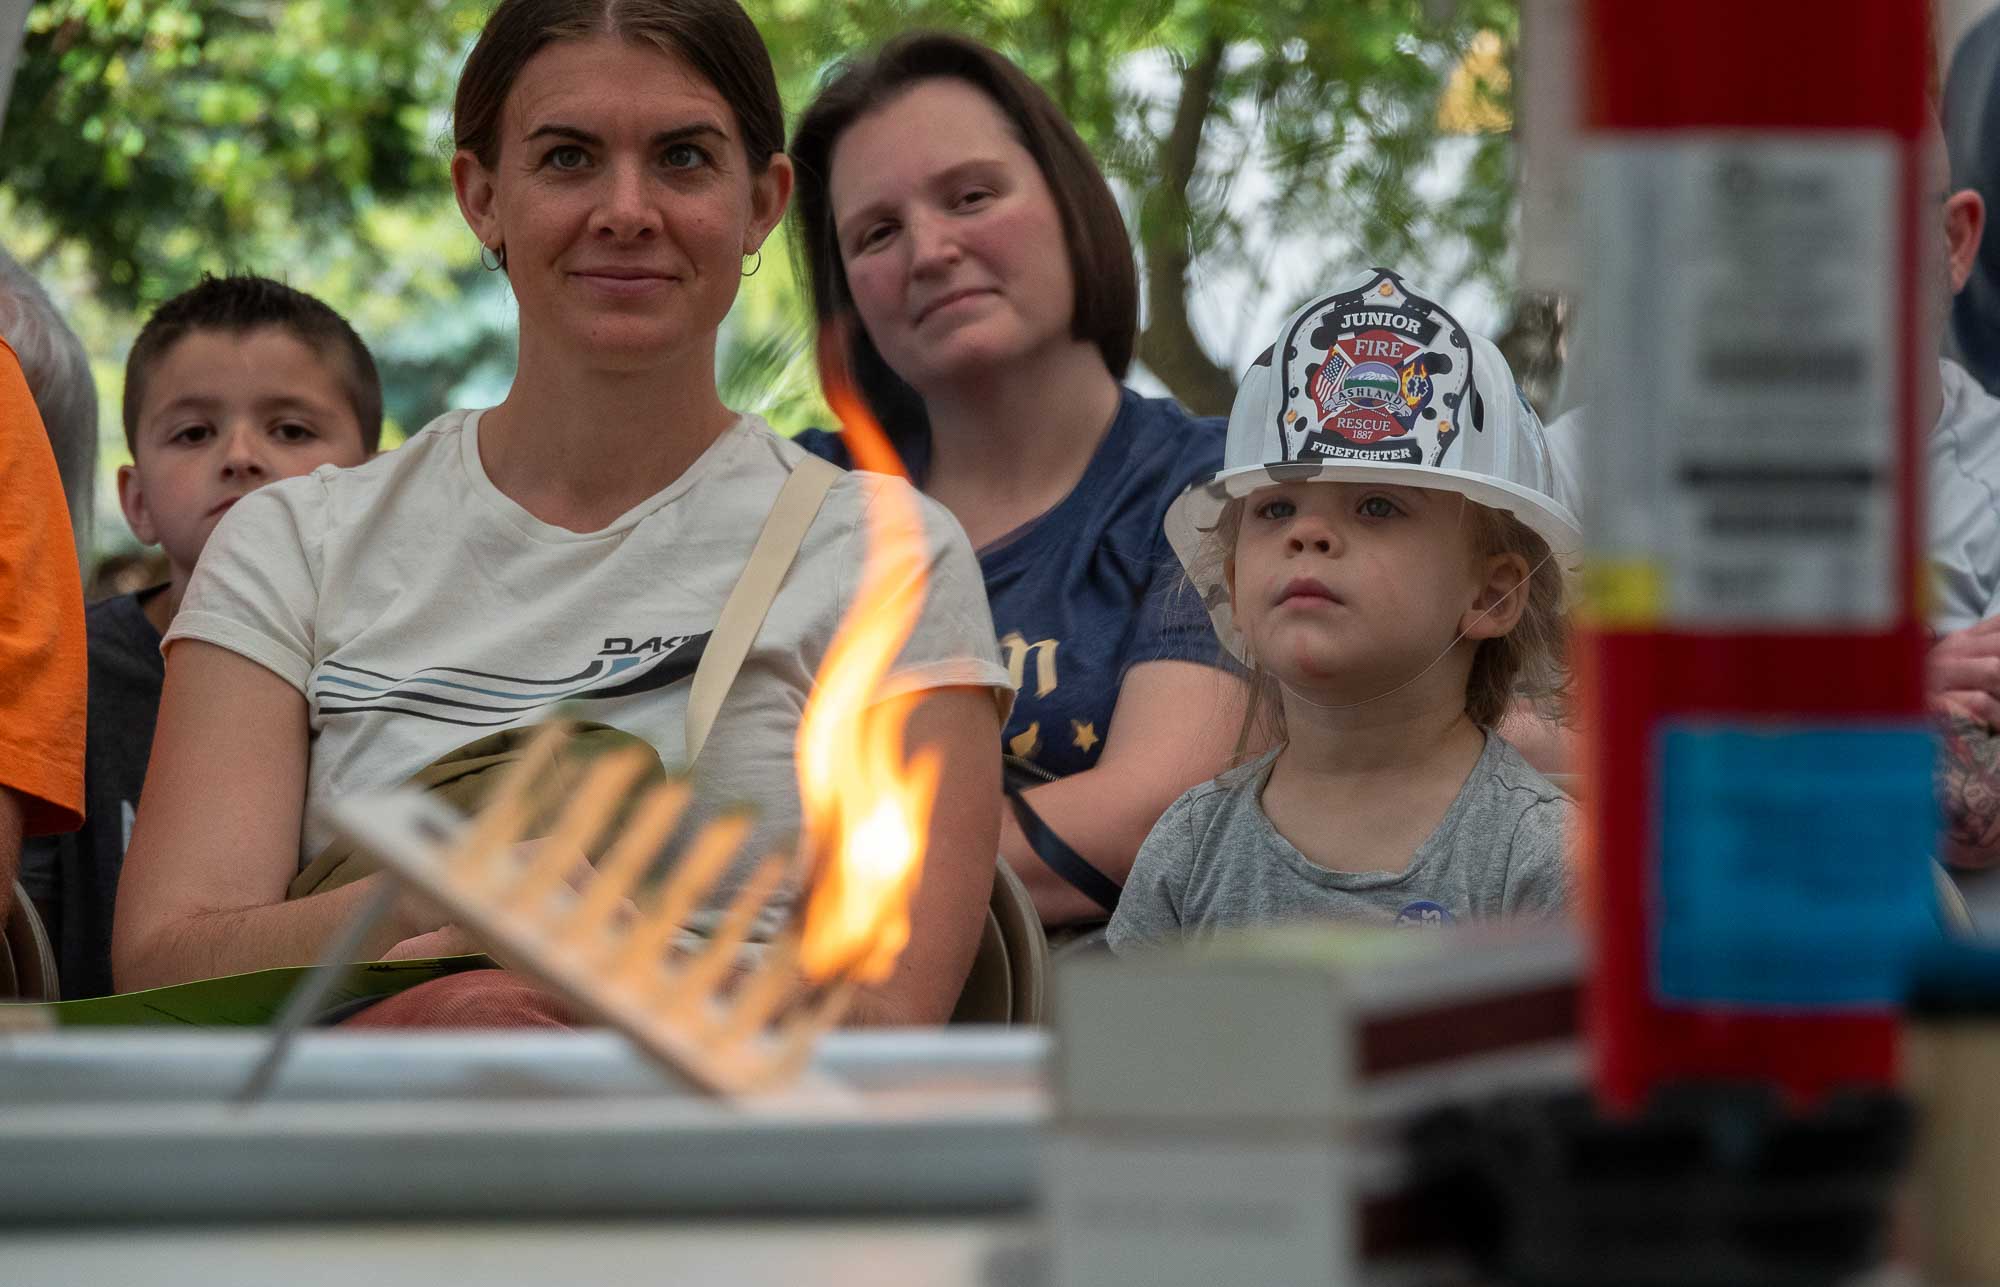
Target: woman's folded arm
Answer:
pixel 216 841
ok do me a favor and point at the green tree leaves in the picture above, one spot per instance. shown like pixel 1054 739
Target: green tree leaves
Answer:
pixel 307 139
pixel 1332 106
pixel 169 136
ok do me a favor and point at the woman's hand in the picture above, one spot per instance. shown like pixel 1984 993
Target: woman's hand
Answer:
pixel 446 940
pixel 427 929
pixel 1962 673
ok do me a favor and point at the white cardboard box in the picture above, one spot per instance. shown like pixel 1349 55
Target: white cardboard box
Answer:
pixel 1149 1211
pixel 1227 1114
pixel 1328 1026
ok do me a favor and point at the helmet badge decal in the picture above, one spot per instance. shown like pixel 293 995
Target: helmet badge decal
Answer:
pixel 1374 374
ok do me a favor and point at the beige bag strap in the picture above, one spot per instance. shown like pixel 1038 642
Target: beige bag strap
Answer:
pixel 743 614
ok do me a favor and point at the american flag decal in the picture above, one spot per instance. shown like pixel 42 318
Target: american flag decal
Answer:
pixel 1325 387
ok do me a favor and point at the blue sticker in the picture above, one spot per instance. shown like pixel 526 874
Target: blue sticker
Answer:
pixel 1794 862
pixel 1422 914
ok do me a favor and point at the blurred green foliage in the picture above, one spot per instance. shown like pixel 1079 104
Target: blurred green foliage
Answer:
pixel 164 135
pixel 1331 104
pixel 149 140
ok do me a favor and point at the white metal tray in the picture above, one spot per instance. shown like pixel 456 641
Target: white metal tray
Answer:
pixel 137 1126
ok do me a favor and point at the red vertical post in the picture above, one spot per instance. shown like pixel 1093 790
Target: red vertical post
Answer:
pixel 1759 810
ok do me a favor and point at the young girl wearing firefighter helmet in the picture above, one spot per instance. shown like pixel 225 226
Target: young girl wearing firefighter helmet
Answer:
pixel 1384 551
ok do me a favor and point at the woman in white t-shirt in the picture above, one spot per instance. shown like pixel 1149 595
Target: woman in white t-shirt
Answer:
pixel 575 543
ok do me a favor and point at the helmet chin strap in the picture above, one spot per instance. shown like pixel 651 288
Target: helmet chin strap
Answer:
pixel 1391 692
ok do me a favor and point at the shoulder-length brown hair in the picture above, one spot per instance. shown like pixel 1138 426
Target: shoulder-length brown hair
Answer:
pixel 1106 309
pixel 715 37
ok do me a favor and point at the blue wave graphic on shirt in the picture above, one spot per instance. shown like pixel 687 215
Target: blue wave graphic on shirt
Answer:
pixel 483 699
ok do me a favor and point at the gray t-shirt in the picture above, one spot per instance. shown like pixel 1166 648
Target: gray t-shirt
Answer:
pixel 1214 861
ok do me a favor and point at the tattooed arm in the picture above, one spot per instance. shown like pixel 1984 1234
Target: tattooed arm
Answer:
pixel 1969 790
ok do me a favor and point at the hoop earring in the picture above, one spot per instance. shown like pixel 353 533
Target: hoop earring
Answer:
pixel 759 264
pixel 499 256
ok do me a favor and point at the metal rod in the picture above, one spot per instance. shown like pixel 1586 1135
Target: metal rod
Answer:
pixel 311 993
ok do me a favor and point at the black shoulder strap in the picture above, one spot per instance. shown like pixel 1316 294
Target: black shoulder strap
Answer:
pixel 1063 860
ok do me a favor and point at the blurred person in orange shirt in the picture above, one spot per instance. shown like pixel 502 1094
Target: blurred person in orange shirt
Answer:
pixel 42 680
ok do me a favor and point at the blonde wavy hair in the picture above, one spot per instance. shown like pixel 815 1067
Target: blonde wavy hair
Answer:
pixel 1529 663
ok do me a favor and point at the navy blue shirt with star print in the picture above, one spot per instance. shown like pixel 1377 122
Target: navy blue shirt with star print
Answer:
pixel 1091 588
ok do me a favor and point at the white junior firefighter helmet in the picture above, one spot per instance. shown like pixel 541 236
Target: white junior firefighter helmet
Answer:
pixel 1376 382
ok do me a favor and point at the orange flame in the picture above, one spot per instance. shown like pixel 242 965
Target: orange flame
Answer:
pixel 867 812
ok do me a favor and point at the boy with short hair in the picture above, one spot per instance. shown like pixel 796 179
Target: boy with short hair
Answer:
pixel 233 384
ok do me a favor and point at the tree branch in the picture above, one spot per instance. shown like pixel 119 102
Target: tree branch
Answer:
pixel 1061 33
pixel 1168 345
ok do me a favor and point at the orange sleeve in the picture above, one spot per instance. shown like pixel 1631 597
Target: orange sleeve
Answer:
pixel 42 674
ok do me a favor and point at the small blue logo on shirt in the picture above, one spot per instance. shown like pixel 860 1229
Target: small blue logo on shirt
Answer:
pixel 1423 914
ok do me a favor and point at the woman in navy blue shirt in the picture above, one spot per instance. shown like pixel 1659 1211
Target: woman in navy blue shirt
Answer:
pixel 946 204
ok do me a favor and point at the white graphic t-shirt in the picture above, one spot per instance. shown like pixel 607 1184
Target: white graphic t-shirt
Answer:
pixel 418 608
